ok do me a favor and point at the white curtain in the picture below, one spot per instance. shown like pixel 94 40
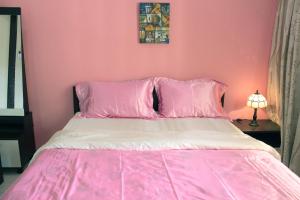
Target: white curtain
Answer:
pixel 284 81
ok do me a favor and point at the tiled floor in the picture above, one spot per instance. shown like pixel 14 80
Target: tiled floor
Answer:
pixel 9 177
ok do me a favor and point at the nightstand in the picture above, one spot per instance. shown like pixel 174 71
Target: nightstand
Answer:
pixel 267 131
pixel 1 172
pixel 16 141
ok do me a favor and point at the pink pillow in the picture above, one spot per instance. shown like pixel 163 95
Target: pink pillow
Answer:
pixel 128 99
pixel 193 98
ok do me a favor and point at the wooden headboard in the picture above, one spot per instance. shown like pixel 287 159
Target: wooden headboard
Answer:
pixel 154 94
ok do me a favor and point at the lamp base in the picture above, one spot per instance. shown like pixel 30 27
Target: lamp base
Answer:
pixel 253 123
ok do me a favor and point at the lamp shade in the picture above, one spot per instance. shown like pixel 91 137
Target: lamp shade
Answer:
pixel 257 101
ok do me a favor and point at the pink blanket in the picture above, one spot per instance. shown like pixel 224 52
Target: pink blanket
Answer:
pixel 168 174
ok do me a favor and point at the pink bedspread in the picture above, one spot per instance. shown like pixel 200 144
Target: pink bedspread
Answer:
pixel 168 174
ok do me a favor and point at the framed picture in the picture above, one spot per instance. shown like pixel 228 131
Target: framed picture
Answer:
pixel 154 21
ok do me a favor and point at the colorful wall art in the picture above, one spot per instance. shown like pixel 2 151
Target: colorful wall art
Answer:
pixel 154 21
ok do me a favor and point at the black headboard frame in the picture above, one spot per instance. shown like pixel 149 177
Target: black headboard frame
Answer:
pixel 154 94
pixel 75 101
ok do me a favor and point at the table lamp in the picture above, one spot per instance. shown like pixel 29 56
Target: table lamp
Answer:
pixel 256 101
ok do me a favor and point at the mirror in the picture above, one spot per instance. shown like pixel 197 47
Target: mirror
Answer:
pixel 11 63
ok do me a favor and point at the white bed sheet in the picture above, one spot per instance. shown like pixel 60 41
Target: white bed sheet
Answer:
pixel 141 134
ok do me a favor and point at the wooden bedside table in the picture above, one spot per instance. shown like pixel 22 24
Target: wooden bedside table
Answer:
pixel 16 141
pixel 267 131
pixel 1 172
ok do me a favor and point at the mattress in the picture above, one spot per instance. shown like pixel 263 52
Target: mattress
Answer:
pixel 188 158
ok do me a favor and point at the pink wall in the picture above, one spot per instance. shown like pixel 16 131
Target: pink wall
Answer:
pixel 70 41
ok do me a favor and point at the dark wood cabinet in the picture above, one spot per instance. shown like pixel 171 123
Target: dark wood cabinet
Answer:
pixel 1 172
pixel 267 131
pixel 16 127
pixel 17 144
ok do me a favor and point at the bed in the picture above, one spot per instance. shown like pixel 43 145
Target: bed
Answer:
pixel 180 158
